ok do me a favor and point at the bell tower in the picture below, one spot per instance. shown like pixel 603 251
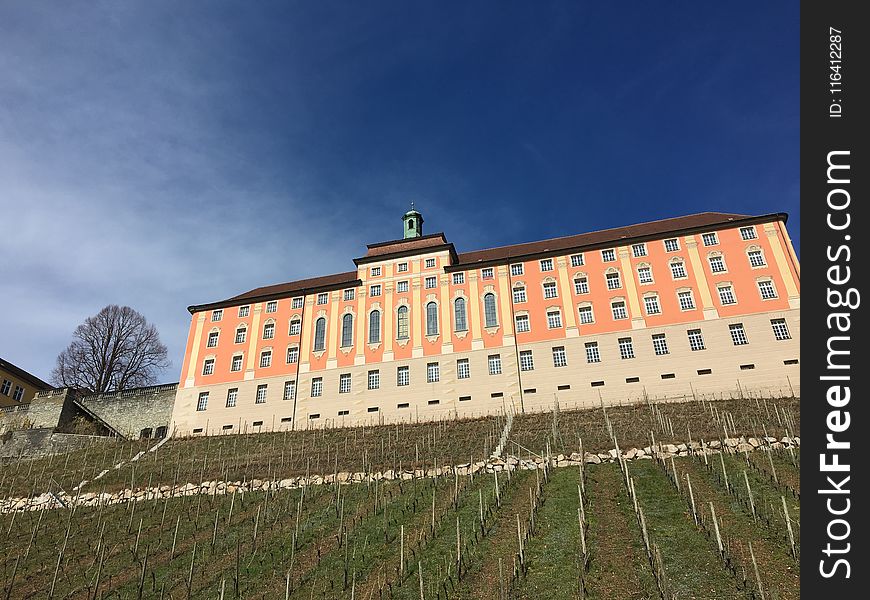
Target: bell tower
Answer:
pixel 412 223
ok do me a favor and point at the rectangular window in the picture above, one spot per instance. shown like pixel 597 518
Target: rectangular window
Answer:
pixel 343 413
pixel 487 273
pixel 717 264
pixel 780 329
pixel 402 268
pixel 577 260
pixel 517 269
pixel 314 416
pixel 403 376
pixel 626 348
pixel 687 301
pixel 232 397
pixel 651 303
pixel 289 390
pixel 295 327
pixel 660 344
pixel 458 278
pixel 431 282
pixel 261 394
pixel 244 311
pixel 322 298
pixel 726 295
pixel 696 340
pixel 208 366
pixel 554 319
pixel 519 295
pixel 212 339
pixel 560 359
pixel 217 315
pixel 547 264
pixel 344 383
pixel 272 306
pixel 756 259
pixel 376 271
pixel 738 334
pixel 7 385
pixel 18 394
pixel 375 290
pixel 527 362
pixel 678 270
pixel 768 292
pixel 463 368
pixel 550 290
pixel 433 372
pixel 592 354
pixel 710 239
pixel 349 294
pixel 464 398
pixel 292 355
pixel 522 323
pixel 748 233
pixel 638 250
pixel 494 361
pixel 202 401
pixel 608 255
pixel 619 312
pixel 669 376
pixel 644 274
pixel 236 365
pixel 316 387
pixel 581 285
pixel 265 359
pixel 296 303
pixel 433 402
pixel 613 281
pixel 402 287
pixel 430 263
pixel 586 316
pixel 672 245
pixel 268 331
pixel 374 380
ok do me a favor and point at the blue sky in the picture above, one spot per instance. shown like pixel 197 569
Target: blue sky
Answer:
pixel 160 154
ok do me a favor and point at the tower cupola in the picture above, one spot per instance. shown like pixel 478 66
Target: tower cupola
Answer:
pixel 412 222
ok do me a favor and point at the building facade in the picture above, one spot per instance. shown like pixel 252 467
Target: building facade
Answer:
pixel 702 304
pixel 17 386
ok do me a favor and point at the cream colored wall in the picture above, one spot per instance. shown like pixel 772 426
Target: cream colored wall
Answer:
pixel 770 376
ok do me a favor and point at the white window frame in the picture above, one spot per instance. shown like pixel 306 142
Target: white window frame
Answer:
pixel 644 274
pixel 613 280
pixel 678 265
pixel 672 244
pixel 582 311
pixel 433 372
pixel 217 315
pixel 696 340
pixel 232 397
pixel 618 310
pixel 756 264
pixel 554 319
pixel 748 233
pixel 546 265
pixel 690 297
pixel 767 289
pixel 344 383
pixel 710 239
pixel 289 389
pixel 593 353
pixel 292 353
pixel 458 278
pixel 244 311
pixel 525 327
pixel 373 379
pixel 463 368
pixel 780 329
pixel 262 393
pixel 560 358
pixel 269 331
pixel 660 344
pixel 517 269
pixel 375 290
pixel 626 348
pixel 322 298
pixel 208 366
pixel 652 305
pixel 494 363
pixel 375 272
pixel 403 376
pixel 581 285
pixel 212 335
pixel 527 360
pixel 241 361
pixel 297 302
pixel 349 294
pixel 316 387
pixel 429 263
pixel 608 255
pixel 487 273
pixel 638 250
pixel 402 267
pixel 265 359
pixel 402 287
pixel 738 334
pixel 519 294
pixel 726 295
pixel 272 306
pixel 430 283
pixel 717 264
pixel 202 402
pixel 551 290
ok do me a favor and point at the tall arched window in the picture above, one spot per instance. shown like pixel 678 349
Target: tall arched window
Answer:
pixel 347 330
pixel 489 312
pixel 374 327
pixel 459 316
pixel 431 319
pixel 402 328
pixel 320 334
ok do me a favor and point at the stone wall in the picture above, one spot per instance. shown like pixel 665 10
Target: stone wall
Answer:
pixel 33 443
pixel 52 408
pixel 129 412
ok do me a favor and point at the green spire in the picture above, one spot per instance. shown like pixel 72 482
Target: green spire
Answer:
pixel 412 222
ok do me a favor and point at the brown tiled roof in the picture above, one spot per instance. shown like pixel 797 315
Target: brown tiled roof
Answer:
pixel 284 289
pixel 602 237
pixel 35 381
pixel 396 246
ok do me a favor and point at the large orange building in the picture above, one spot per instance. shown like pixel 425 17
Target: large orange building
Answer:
pixel 701 304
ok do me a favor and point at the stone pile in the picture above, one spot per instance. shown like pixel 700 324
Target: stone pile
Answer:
pixel 48 500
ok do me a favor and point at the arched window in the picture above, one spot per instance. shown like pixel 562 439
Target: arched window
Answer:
pixel 347 330
pixel 402 328
pixel 459 319
pixel 431 319
pixel 320 334
pixel 489 311
pixel 410 223
pixel 374 327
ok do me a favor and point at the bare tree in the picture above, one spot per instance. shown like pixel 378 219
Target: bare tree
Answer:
pixel 114 350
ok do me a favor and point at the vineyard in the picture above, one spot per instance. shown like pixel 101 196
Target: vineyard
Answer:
pixel 706 524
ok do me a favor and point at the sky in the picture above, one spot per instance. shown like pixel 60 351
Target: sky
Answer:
pixel 161 154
